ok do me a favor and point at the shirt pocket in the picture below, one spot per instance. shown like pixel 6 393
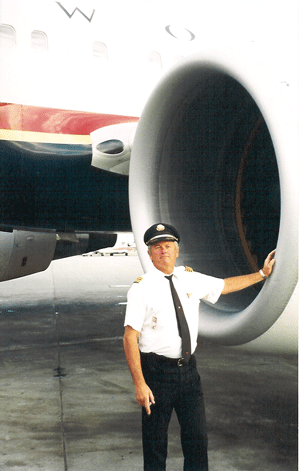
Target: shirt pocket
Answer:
pixel 190 301
pixel 162 316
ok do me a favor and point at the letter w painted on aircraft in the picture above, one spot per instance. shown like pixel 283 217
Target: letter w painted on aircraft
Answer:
pixel 71 14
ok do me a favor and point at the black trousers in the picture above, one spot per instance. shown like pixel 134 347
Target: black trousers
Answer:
pixel 179 388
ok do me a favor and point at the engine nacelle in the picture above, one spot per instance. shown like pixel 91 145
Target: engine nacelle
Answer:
pixel 26 252
pixel 215 154
pixel 23 253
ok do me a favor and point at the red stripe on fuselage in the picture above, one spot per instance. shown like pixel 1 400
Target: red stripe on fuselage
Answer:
pixel 50 120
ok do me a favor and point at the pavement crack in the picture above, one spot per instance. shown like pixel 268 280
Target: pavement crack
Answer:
pixel 61 375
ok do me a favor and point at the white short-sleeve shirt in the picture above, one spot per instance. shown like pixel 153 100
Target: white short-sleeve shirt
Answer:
pixel 150 308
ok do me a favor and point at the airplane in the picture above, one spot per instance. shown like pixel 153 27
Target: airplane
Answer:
pixel 116 115
pixel 124 246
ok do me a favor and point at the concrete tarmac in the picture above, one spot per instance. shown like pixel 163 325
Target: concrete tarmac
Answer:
pixel 67 399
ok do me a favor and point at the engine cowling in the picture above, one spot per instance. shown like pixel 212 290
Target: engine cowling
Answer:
pixel 215 154
pixel 26 252
pixel 23 253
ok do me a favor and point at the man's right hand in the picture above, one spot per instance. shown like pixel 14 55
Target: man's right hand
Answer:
pixel 143 393
pixel 144 397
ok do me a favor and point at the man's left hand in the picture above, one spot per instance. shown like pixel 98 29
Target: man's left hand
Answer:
pixel 269 263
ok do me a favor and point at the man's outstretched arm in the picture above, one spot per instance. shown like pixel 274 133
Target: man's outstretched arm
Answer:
pixel 237 283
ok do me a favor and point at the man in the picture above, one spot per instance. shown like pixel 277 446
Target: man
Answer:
pixel 159 342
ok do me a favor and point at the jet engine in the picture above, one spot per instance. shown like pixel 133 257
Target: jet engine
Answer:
pixel 24 252
pixel 215 154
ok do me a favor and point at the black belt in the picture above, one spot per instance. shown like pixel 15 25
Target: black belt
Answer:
pixel 166 360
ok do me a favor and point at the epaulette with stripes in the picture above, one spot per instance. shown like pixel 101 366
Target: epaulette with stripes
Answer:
pixel 138 280
pixel 188 269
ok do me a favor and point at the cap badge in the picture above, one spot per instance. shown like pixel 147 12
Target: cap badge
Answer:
pixel 160 227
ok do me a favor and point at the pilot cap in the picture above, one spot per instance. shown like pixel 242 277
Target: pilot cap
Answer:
pixel 159 232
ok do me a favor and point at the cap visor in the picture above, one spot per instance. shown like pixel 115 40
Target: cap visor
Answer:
pixel 160 238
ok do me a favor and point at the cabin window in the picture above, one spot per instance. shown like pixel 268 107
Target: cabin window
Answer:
pixel 39 41
pixel 7 35
pixel 100 51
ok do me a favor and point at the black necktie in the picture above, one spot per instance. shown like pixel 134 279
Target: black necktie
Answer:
pixel 181 321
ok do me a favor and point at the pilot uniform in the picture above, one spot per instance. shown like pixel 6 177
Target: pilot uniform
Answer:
pixel 175 384
pixel 150 308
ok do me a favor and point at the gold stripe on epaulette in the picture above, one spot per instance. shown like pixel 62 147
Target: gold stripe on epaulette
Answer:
pixel 188 269
pixel 139 279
